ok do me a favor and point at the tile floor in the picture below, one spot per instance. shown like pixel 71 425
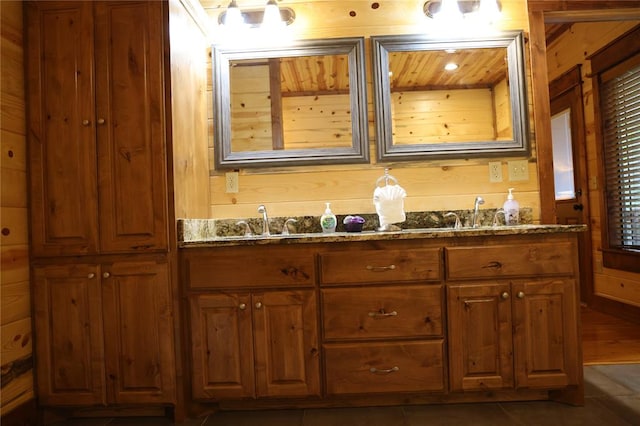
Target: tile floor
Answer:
pixel 612 398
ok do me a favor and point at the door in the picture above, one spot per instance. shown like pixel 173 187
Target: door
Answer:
pixel 130 125
pixel 138 329
pixel 69 340
pixel 480 336
pixel 287 356
pixel 62 153
pixel 570 168
pixel 221 346
pixel 546 344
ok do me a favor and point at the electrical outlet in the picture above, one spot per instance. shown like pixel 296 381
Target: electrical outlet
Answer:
pixel 495 171
pixel 518 170
pixel 231 179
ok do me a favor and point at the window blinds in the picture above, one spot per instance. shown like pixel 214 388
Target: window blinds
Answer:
pixel 621 117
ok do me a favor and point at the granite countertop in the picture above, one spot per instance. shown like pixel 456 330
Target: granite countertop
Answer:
pixel 202 233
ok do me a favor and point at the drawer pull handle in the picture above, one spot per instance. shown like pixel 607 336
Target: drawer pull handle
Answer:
pixel 242 306
pixel 384 371
pixel 493 265
pixel 520 294
pixel 504 295
pixel 380 268
pixel 382 313
pixel 258 305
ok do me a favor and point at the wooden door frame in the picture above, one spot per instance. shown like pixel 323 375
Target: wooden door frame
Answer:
pixel 570 83
pixel 556 11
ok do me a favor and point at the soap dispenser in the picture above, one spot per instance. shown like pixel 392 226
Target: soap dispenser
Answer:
pixel 511 210
pixel 328 220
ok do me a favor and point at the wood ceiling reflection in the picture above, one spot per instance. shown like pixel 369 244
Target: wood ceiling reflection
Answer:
pixel 314 75
pixel 420 70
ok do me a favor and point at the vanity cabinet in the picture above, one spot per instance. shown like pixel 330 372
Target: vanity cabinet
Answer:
pixel 382 321
pixel 438 319
pixel 104 333
pixel 249 340
pixel 512 317
pixel 96 127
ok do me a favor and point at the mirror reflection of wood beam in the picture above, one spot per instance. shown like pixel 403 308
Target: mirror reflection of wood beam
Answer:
pixel 275 89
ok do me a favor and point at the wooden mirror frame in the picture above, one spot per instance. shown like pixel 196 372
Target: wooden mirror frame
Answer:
pixel 519 146
pixel 358 152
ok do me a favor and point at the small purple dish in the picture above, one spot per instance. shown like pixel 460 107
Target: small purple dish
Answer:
pixel 353 223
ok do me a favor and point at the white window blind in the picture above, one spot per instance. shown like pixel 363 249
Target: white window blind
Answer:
pixel 620 103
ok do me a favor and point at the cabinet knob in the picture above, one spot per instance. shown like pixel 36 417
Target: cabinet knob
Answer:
pixel 106 275
pixel 258 305
pixel 85 123
pixel 91 275
pixel 504 295
pixel 242 306
pixel 520 295
pixel 100 120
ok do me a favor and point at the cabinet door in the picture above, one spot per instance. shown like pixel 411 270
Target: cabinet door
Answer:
pixel 138 330
pixel 480 339
pixel 286 343
pixel 131 125
pixel 68 330
pixel 222 346
pixel 545 334
pixel 61 132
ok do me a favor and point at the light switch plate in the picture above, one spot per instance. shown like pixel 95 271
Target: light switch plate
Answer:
pixel 495 171
pixel 518 170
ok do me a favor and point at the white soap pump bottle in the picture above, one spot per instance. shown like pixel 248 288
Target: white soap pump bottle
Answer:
pixel 328 220
pixel 511 210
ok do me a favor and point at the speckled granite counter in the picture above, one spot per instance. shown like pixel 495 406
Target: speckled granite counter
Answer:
pixel 201 233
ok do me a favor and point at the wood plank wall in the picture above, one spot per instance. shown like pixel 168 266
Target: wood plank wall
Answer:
pixel 15 317
pixel 431 185
pixel 189 100
pixel 582 40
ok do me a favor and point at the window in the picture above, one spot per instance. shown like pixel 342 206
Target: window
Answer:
pixel 616 72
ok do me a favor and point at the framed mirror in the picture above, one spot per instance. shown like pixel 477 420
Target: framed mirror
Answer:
pixel 453 98
pixel 301 104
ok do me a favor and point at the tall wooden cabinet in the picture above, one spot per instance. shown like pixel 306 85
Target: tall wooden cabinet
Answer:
pixel 96 127
pixel 99 202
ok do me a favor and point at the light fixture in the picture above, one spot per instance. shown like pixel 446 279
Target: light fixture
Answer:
pixel 451 66
pixel 270 16
pixel 488 10
pixel 233 16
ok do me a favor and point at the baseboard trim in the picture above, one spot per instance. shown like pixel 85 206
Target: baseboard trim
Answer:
pixel 615 308
pixel 23 415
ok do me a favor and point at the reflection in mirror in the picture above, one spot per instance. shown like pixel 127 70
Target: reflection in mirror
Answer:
pixel 304 104
pixel 449 98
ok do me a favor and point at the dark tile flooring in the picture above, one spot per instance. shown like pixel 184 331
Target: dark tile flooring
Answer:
pixel 612 398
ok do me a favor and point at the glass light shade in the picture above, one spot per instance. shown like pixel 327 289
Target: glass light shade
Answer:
pixel 449 11
pixel 233 16
pixel 489 10
pixel 272 16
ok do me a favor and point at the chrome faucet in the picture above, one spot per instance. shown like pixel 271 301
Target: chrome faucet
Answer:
pixel 265 219
pixel 479 200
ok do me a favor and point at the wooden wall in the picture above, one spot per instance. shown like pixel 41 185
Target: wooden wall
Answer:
pixel 431 185
pixel 563 54
pixel 15 316
pixel 189 101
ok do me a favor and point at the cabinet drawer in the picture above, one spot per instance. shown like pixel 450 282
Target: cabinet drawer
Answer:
pixel 368 313
pixel 380 266
pixel 509 260
pixel 233 268
pixel 384 368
